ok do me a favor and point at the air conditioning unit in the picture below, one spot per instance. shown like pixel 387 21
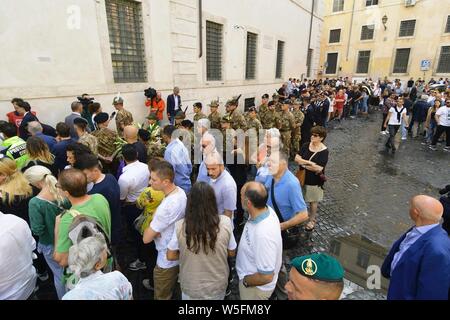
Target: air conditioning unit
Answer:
pixel 410 3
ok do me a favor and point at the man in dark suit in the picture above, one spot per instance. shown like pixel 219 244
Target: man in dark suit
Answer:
pixel 173 105
pixel 24 108
pixel 419 262
pixel 77 109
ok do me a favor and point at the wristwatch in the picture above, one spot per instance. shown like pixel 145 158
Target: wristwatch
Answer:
pixel 244 282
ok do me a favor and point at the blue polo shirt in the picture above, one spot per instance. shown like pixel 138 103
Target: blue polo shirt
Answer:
pixel 50 141
pixel 288 195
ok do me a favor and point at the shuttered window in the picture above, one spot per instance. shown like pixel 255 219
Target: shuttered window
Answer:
pixel 335 36
pixel 371 3
pixel 126 40
pixel 250 65
pixel 338 5
pixel 331 63
pixel 444 60
pixel 401 60
pixel 363 62
pixel 367 32
pixel 407 28
pixel 213 51
pixel 280 57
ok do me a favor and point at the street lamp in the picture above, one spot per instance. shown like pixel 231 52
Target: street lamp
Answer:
pixel 384 20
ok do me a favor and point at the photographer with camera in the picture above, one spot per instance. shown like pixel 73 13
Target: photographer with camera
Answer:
pixel 155 103
pixel 445 200
pixel 173 105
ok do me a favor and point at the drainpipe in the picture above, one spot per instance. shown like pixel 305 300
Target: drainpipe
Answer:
pixel 351 28
pixel 309 36
pixel 200 27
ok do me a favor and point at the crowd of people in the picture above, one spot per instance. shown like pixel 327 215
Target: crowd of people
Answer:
pixel 78 193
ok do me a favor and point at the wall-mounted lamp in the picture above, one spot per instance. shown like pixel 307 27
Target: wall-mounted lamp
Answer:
pixel 384 20
pixel 237 27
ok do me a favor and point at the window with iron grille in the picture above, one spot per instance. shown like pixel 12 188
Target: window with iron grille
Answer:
pixel 250 65
pixel 280 54
pixel 407 28
pixel 363 62
pixel 249 102
pixel 338 5
pixel 447 26
pixel 332 63
pixel 309 62
pixel 371 3
pixel 444 60
pixel 126 39
pixel 401 60
pixel 363 259
pixel 367 32
pixel 335 36
pixel 213 51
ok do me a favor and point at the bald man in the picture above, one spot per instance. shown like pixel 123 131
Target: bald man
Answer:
pixel 419 262
pixel 130 135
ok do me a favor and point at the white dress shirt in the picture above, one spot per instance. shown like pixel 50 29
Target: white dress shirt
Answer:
pixel 133 181
pixel 17 274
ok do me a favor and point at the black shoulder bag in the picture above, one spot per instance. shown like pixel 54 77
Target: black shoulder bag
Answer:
pixel 289 236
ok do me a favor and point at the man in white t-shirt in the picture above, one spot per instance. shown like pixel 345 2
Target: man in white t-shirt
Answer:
pixel 162 228
pixel 394 120
pixel 260 250
pixel 443 120
pixel 17 274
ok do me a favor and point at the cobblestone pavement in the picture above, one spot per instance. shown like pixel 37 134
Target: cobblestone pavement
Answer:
pixel 367 195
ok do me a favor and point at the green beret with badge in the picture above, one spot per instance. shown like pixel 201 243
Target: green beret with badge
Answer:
pixel 319 266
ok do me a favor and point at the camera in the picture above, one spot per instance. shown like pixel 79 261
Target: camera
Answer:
pixel 150 93
pixel 85 100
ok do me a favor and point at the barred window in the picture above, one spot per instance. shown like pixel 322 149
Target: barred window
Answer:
pixel 331 63
pixel 407 28
pixel 447 26
pixel 126 39
pixel 213 51
pixel 363 62
pixel 444 60
pixel 401 60
pixel 250 65
pixel 309 62
pixel 367 32
pixel 280 56
pixel 249 102
pixel 371 3
pixel 338 5
pixel 335 36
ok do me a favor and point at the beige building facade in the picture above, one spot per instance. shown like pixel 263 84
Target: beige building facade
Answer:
pixel 53 51
pixel 386 38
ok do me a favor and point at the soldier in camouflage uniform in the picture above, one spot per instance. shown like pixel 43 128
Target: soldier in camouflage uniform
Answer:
pixel 264 106
pixel 152 127
pixel 198 111
pixel 237 120
pixel 228 134
pixel 179 117
pixel 287 126
pixel 296 134
pixel 271 118
pixel 252 120
pixel 276 102
pixel 155 149
pixel 215 117
pixel 84 137
pixel 107 140
pixel 123 117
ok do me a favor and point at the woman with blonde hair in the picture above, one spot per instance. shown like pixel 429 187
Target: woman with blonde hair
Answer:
pixel 43 210
pixel 39 154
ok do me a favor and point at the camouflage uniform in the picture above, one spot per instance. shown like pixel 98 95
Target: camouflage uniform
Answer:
pixel 89 141
pixel 237 120
pixel 254 123
pixel 123 118
pixel 180 116
pixel 270 119
pixel 155 149
pixel 199 116
pixel 106 139
pixel 214 120
pixel 262 110
pixel 287 126
pixel 296 133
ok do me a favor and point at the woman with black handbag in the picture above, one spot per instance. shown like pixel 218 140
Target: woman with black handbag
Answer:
pixel 317 153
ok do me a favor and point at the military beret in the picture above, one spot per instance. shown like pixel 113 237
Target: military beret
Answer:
pixel 198 105
pixel 101 117
pixel 251 109
pixel 319 266
pixel 265 96
pixel 180 115
pixel 152 116
pixel 117 100
pixel 144 134
pixel 225 119
pixel 214 104
pixel 80 121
